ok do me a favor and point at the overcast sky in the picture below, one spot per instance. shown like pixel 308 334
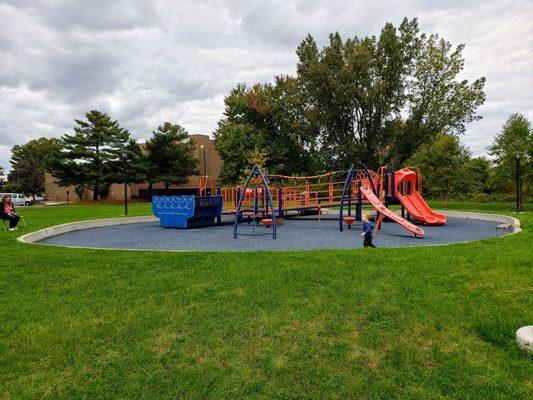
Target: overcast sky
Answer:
pixel 145 62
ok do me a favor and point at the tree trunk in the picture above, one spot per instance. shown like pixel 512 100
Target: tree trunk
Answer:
pixel 95 191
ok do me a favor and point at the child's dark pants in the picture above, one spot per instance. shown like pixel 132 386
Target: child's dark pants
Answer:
pixel 368 241
pixel 13 220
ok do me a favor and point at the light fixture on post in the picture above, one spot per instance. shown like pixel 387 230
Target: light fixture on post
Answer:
pixel 205 166
pixel 124 160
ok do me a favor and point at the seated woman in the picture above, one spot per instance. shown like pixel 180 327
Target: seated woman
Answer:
pixel 7 210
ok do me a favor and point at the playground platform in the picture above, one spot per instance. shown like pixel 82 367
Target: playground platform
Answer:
pixel 294 234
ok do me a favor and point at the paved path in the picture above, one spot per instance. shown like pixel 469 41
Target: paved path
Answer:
pixel 292 235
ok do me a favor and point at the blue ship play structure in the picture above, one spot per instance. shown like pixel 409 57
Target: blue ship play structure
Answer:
pixel 187 211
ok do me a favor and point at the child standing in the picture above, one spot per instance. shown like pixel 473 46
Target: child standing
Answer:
pixel 368 230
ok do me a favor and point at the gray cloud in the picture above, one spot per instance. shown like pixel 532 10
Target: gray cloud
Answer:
pixel 145 62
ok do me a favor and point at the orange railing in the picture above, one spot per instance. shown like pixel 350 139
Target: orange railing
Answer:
pixel 309 195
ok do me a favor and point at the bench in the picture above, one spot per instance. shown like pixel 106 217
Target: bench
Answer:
pixel 504 229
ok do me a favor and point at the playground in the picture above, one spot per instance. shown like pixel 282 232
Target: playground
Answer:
pixel 304 234
pixel 279 212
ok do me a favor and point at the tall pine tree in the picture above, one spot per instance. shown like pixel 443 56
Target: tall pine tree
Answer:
pixel 89 156
pixel 169 156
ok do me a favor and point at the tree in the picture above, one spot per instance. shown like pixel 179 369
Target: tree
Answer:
pixel 264 118
pixel 515 137
pixel 478 169
pixel 80 191
pixel 374 101
pixel 130 165
pixel 29 162
pixel 2 178
pixel 89 157
pixel 169 157
pixel 444 166
pixel 256 157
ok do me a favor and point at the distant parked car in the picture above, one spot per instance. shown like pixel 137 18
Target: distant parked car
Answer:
pixel 18 199
pixel 29 199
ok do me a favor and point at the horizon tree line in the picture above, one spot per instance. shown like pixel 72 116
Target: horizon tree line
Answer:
pixel 392 99
pixel 100 152
pixel 90 160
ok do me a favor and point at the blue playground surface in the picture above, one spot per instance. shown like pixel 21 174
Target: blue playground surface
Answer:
pixel 294 234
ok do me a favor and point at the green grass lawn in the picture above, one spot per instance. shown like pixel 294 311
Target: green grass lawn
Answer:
pixel 424 323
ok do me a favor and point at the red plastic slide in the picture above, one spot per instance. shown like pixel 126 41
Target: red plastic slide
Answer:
pixel 378 205
pixel 413 201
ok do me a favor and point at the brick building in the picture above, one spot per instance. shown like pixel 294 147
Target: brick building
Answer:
pixel 209 163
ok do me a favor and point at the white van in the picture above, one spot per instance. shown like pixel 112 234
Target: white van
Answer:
pixel 18 199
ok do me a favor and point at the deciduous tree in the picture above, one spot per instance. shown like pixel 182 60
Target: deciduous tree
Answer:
pixel 444 165
pixel 515 138
pixel 29 162
pixel 2 178
pixel 266 118
pixel 375 100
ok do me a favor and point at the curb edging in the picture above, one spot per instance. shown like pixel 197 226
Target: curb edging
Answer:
pixel 41 234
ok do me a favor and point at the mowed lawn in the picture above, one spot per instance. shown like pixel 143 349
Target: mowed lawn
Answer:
pixel 421 323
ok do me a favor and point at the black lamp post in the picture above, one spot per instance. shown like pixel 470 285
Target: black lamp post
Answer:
pixel 125 159
pixel 518 183
pixel 205 167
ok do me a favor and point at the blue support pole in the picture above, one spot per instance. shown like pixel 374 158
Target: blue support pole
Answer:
pixel 346 189
pixel 359 206
pixel 237 199
pixel 219 217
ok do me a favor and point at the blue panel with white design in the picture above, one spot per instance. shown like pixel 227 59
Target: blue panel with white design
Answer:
pixel 187 211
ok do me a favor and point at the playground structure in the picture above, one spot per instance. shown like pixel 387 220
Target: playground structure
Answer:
pixel 267 199
pixel 187 211
pixel 260 209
